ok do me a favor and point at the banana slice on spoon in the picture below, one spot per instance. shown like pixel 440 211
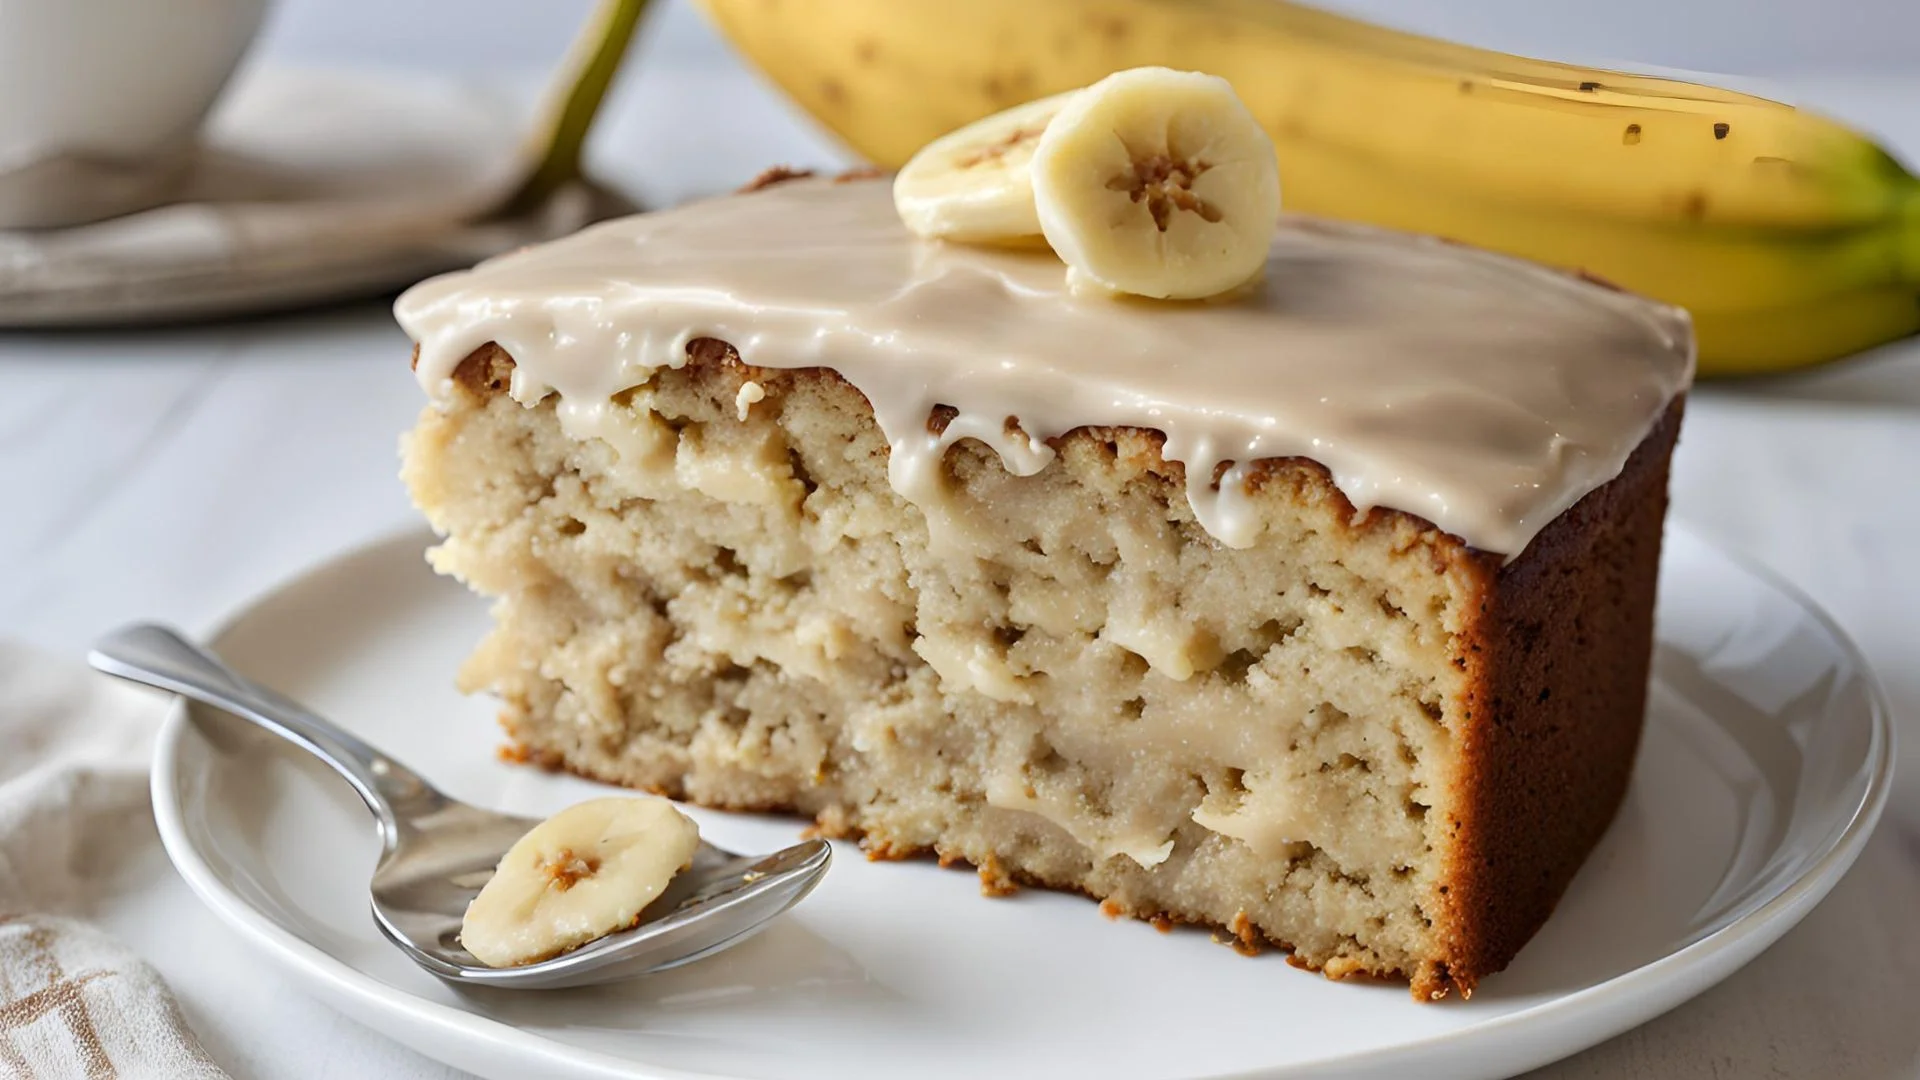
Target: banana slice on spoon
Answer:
pixel 1158 183
pixel 971 185
pixel 580 875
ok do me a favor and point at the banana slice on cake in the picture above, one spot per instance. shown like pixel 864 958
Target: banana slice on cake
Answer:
pixel 579 875
pixel 1158 183
pixel 971 184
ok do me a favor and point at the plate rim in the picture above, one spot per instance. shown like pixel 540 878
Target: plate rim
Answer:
pixel 1626 1000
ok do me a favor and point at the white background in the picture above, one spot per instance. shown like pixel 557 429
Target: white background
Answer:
pixel 175 473
pixel 1741 36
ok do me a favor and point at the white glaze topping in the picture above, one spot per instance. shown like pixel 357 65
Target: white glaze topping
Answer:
pixel 1484 394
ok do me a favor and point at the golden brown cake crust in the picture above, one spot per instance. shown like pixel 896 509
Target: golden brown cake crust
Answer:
pixel 1556 660
pixel 1558 667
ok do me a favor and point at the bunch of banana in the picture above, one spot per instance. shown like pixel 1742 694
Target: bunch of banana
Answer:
pixel 1791 239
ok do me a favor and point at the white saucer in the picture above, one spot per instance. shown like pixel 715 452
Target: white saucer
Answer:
pixel 1766 762
pixel 309 186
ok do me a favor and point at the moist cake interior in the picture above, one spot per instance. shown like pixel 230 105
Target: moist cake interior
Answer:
pixel 1351 732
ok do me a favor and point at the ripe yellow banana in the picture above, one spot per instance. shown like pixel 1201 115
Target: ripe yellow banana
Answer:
pixel 1792 239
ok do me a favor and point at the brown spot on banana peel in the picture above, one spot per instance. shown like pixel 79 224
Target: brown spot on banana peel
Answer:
pixel 1788 165
pixel 1592 278
pixel 1010 89
pixel 834 92
pixel 1632 136
pixel 1720 130
pixel 1695 206
pixel 1589 87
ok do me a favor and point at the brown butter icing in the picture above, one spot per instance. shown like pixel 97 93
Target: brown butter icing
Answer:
pixel 1482 393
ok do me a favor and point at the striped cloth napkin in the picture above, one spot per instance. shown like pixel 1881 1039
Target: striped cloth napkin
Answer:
pixel 75 1003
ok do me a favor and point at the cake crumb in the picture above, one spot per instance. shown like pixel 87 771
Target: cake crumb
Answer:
pixel 995 881
pixel 832 823
pixel 1162 922
pixel 519 753
pixel 1246 940
pixel 887 851
pixel 1339 967
pixel 1111 908
pixel 750 392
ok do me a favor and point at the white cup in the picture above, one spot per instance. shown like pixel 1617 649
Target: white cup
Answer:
pixel 101 100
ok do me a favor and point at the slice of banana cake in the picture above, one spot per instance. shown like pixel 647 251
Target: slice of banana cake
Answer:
pixel 1320 613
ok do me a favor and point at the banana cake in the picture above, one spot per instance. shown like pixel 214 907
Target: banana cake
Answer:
pixel 1320 613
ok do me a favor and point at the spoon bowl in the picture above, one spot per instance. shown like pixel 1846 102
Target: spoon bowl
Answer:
pixel 437 852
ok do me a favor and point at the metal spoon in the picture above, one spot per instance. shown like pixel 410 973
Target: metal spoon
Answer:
pixel 438 851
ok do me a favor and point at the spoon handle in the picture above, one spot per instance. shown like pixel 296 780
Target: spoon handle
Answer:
pixel 157 656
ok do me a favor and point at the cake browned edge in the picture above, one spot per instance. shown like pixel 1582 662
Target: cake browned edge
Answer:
pixel 1558 661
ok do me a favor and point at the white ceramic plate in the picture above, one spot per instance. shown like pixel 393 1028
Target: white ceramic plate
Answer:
pixel 1766 762
pixel 310 186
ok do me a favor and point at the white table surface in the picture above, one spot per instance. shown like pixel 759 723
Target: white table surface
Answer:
pixel 176 473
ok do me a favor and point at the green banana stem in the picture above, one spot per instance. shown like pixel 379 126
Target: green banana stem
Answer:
pixel 592 63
